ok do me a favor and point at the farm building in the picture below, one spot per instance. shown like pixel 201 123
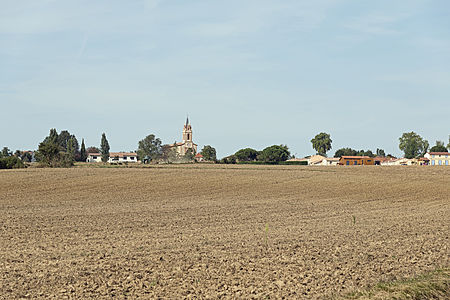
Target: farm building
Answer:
pixel 330 161
pixel 356 160
pixel 438 158
pixel 198 157
pixel 94 157
pixel 114 157
pixel 122 157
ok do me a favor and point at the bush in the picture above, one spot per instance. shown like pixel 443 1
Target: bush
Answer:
pixel 11 162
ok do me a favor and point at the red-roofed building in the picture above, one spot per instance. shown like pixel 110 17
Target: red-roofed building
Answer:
pixel 198 157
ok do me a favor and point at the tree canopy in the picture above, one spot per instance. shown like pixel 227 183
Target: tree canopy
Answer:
pixel 439 147
pixel 322 143
pixel 352 152
pixel 275 154
pixel 83 153
pixel 104 148
pixel 413 145
pixel 247 154
pixel 209 153
pixel 149 148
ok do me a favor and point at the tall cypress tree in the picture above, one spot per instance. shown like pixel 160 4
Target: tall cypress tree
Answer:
pixel 104 148
pixel 83 155
pixel 71 148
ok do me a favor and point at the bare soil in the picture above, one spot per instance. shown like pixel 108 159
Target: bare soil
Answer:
pixel 215 231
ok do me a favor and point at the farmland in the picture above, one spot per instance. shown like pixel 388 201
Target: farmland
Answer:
pixel 209 231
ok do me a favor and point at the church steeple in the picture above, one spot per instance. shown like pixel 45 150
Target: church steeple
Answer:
pixel 187 131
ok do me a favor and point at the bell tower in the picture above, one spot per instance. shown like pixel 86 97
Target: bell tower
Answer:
pixel 187 131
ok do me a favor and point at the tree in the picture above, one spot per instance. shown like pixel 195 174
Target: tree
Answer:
pixel 209 153
pixel 71 148
pixel 6 152
pixel 149 148
pixel 322 143
pixel 83 154
pixel 448 145
pixel 169 154
pixel 93 149
pixel 11 162
pixel 247 154
pixel 345 152
pixel 26 156
pixel 104 148
pixel 439 147
pixel 413 145
pixel 275 154
pixel 380 152
pixel 189 155
pixel 52 137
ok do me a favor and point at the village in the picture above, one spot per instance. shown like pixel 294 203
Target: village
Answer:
pixel 186 151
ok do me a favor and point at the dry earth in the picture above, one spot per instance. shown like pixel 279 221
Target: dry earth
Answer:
pixel 212 231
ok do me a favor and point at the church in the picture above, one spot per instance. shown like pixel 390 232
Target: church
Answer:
pixel 187 142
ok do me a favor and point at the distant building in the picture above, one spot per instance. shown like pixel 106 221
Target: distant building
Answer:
pixel 94 157
pixel 187 142
pixel 122 157
pixel 356 160
pixel 198 157
pixel 438 158
pixel 114 157
pixel 330 161
pixel 315 160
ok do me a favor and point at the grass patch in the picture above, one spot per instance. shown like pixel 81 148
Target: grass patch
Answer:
pixel 432 285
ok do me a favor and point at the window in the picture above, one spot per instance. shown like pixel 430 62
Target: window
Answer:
pixel 124 158
pixel 432 156
pixel 94 157
pixel 348 162
pixel 446 162
pixel 356 162
pixel 440 162
pixel 132 157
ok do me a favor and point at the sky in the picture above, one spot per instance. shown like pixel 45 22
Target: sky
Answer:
pixel 248 73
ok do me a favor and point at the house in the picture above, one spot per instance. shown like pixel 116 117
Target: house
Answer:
pixel 94 157
pixel 423 161
pixel 122 157
pixel 381 160
pixel 187 143
pixel 438 158
pixel 198 157
pixel 356 160
pixel 315 160
pixel 114 157
pixel 330 161
pixel 402 162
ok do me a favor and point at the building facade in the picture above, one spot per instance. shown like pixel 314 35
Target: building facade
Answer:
pixel 438 158
pixel 114 157
pixel 356 160
pixel 187 143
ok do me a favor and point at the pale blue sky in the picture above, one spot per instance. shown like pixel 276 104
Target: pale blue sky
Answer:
pixel 248 73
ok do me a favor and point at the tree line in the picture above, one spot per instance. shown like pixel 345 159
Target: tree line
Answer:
pixel 63 149
pixel 411 143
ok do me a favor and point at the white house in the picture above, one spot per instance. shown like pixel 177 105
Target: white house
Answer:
pixel 330 161
pixel 114 157
pixel 122 157
pixel 94 157
pixel 438 158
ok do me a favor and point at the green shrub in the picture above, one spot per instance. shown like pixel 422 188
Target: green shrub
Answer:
pixel 11 162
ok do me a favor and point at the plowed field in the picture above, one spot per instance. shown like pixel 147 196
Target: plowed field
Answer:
pixel 219 231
